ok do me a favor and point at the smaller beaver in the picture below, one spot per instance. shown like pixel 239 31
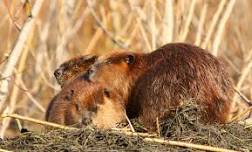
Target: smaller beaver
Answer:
pixel 72 68
pixel 82 103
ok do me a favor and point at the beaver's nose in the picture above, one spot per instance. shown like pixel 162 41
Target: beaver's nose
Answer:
pixel 86 121
pixel 58 72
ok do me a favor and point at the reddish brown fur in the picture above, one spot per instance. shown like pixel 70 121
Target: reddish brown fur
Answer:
pixel 72 68
pixel 117 74
pixel 81 102
pixel 156 82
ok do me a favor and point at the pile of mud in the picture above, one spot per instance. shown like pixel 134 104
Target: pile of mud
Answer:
pixel 183 124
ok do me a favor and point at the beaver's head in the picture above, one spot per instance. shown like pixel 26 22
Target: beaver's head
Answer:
pixel 94 104
pixel 117 71
pixel 72 68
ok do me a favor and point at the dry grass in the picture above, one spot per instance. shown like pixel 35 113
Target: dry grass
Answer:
pixel 183 129
pixel 64 29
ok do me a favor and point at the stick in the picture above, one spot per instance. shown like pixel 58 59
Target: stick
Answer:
pixel 188 21
pixel 173 143
pixel 201 25
pixel 221 26
pixel 158 127
pixel 41 122
pixel 19 124
pixel 241 114
pixel 17 51
pixel 130 125
pixel 247 123
pixel 242 96
pixel 143 32
pixel 108 33
pixel 213 23
pixel 168 22
pixel 4 150
pixel 187 145
pixel 157 140
pixel 153 27
pixel 129 133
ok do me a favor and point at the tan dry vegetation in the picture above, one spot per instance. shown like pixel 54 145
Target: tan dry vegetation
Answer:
pixel 66 28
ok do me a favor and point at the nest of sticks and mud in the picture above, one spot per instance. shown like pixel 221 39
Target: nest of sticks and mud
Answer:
pixel 182 126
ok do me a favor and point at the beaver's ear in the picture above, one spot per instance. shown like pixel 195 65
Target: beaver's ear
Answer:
pixel 106 92
pixel 130 59
pixel 90 58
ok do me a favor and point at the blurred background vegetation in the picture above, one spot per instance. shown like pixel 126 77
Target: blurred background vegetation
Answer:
pixel 66 28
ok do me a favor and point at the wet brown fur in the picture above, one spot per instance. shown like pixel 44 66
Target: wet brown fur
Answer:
pixel 81 103
pixel 156 82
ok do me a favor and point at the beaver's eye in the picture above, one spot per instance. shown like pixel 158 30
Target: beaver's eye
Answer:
pixel 58 72
pixel 130 59
pixel 106 92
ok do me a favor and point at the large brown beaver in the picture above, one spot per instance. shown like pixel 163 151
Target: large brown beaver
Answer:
pixel 72 68
pixel 151 84
pixel 81 103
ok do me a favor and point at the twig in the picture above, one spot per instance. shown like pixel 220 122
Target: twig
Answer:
pixel 17 51
pixel 130 125
pixel 19 124
pixel 132 35
pixel 110 35
pixel 149 138
pixel 242 96
pixel 168 22
pixel 247 123
pixel 173 143
pixel 213 23
pixel 188 21
pixel 157 140
pixel 241 114
pixel 41 122
pixel 14 94
pixel 129 133
pixel 201 25
pixel 4 59
pixel 153 24
pixel 240 41
pixel 96 37
pixel 42 72
pixel 30 96
pixel 244 73
pixel 18 27
pixel 67 35
pixel 93 42
pixel 127 25
pixel 187 145
pixel 145 37
pixel 4 150
pixel 158 127
pixel 231 64
pixel 221 26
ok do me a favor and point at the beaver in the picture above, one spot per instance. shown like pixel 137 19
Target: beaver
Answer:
pixel 81 103
pixel 151 84
pixel 72 68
